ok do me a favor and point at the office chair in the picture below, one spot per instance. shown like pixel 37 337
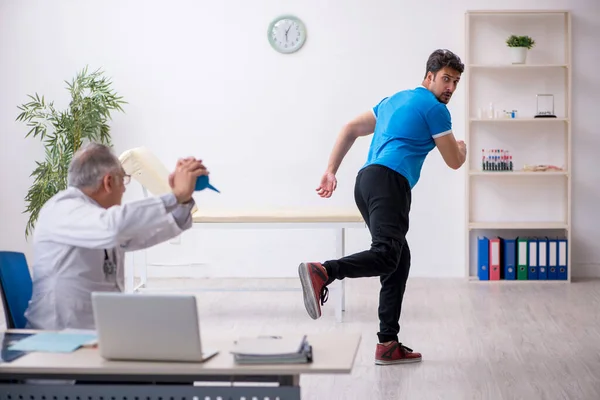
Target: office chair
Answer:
pixel 16 286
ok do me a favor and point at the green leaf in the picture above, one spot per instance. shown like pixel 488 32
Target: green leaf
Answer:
pixel 520 41
pixel 63 132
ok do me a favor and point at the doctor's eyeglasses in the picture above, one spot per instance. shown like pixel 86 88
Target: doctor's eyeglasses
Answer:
pixel 126 179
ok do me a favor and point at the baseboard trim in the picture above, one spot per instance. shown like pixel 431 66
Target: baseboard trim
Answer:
pixel 589 270
pixel 179 271
pixel 196 271
pixel 586 271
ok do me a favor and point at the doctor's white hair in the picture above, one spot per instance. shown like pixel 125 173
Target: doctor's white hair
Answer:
pixel 89 165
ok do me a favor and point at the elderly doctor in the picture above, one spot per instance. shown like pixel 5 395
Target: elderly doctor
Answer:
pixel 83 232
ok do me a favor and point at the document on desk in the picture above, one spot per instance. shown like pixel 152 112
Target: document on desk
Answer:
pixel 89 332
pixel 8 339
pixel 272 350
pixel 53 342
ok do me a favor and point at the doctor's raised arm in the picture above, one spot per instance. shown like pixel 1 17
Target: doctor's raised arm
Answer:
pixel 89 212
pixel 82 234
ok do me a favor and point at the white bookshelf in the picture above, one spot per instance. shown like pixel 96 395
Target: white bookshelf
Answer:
pixel 519 120
pixel 518 173
pixel 513 66
pixel 519 202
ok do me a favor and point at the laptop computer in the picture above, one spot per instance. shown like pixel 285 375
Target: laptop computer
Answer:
pixel 149 327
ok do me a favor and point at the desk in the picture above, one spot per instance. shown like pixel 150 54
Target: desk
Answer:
pixel 333 353
pixel 277 219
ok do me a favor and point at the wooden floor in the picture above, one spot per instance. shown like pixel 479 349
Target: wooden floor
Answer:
pixel 479 340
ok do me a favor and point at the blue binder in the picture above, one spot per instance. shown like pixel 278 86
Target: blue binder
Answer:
pixel 510 259
pixel 522 260
pixel 532 273
pixel 562 260
pixel 543 259
pixel 552 259
pixel 483 258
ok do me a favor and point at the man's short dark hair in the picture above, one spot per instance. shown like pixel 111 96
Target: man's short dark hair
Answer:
pixel 443 58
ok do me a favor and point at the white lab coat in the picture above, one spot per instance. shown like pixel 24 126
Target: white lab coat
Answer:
pixel 71 234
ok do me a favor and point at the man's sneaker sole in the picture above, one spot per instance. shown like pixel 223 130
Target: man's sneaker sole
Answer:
pixel 310 299
pixel 400 361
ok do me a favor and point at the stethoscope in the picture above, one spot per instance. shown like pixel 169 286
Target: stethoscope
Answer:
pixel 109 266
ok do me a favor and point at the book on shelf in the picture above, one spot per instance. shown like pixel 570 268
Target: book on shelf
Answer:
pixel 522 258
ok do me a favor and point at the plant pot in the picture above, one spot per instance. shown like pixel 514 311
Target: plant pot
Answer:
pixel 518 55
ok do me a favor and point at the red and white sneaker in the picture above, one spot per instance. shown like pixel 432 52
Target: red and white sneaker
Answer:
pixel 395 353
pixel 313 277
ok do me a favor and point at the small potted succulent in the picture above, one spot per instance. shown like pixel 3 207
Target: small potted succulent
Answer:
pixel 518 46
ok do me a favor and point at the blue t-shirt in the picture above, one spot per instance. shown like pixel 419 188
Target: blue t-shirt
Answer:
pixel 407 123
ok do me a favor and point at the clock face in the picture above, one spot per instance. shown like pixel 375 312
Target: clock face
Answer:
pixel 287 34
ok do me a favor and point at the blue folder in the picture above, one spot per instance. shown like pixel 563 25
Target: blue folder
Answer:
pixel 562 260
pixel 552 259
pixel 532 273
pixel 543 259
pixel 483 258
pixel 510 259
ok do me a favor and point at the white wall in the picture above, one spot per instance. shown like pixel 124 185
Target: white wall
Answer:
pixel 201 79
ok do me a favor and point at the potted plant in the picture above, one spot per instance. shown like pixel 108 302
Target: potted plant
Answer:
pixel 63 132
pixel 518 47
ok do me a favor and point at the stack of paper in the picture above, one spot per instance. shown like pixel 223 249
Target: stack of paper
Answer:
pixel 272 350
pixel 53 342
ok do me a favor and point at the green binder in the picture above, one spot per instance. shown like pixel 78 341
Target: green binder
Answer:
pixel 522 257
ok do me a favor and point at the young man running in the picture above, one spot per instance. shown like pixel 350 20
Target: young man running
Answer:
pixel 406 127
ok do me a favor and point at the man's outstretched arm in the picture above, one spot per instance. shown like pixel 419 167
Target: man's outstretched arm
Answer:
pixel 362 125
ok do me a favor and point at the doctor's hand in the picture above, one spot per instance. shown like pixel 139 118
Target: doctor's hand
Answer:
pixel 172 174
pixel 183 179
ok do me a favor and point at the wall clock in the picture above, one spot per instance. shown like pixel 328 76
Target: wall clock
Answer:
pixel 287 34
